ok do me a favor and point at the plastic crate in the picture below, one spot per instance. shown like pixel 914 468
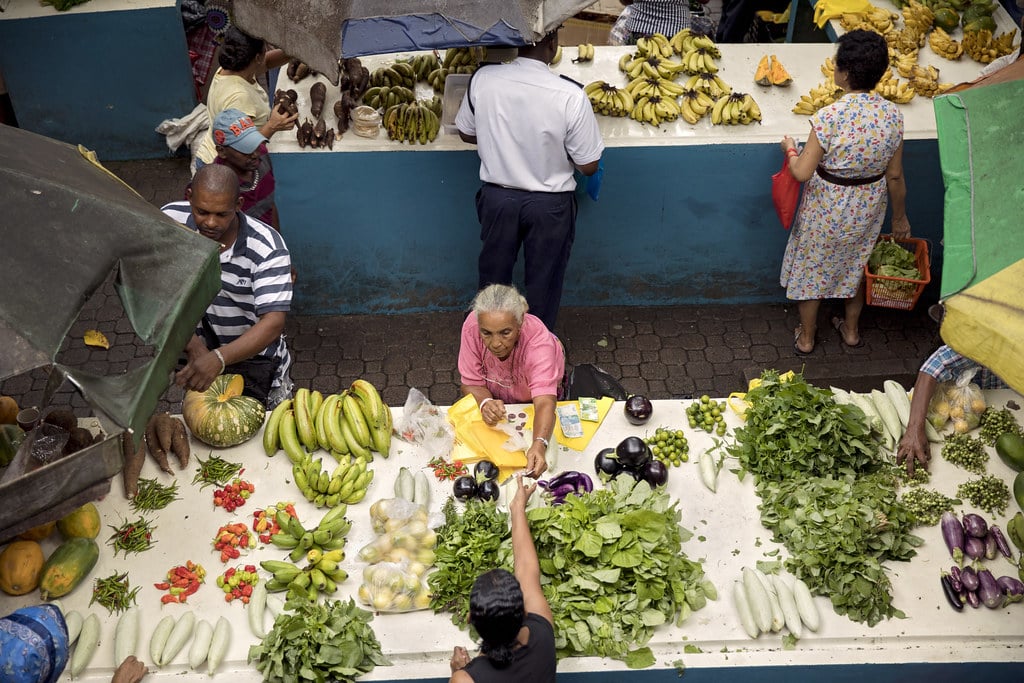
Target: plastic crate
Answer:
pixel 899 292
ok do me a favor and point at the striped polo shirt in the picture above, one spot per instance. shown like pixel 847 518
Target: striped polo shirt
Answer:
pixel 667 17
pixel 255 276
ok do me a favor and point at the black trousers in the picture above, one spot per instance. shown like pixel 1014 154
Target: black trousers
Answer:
pixel 544 225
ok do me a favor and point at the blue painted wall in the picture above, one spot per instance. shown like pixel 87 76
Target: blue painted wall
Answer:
pixel 383 232
pixel 101 79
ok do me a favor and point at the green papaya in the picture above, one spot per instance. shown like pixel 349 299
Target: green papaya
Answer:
pixel 947 19
pixel 982 23
pixel 1010 449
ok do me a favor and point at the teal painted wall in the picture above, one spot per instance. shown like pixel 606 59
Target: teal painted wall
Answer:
pixel 383 232
pixel 101 79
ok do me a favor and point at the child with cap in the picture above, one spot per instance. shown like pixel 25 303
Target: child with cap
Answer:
pixel 241 146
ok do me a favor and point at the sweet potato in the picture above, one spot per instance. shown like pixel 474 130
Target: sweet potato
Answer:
pixel 153 443
pixel 134 458
pixel 317 97
pixel 179 442
pixel 164 431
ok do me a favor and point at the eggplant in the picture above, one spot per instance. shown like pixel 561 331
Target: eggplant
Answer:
pixel 972 599
pixel 953 535
pixel 1004 547
pixel 488 489
pixel 952 596
pixel 954 578
pixel 974 548
pixel 606 463
pixel 975 525
pixel 571 477
pixel 562 491
pixel 485 470
pixel 989 591
pixel 631 472
pixel 655 473
pixel 638 409
pixel 464 488
pixel 991 547
pixel 585 483
pixel 1013 588
pixel 633 452
pixel 969 578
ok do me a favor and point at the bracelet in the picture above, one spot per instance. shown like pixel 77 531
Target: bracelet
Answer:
pixel 791 152
pixel 220 357
pixel 484 402
pixel 543 441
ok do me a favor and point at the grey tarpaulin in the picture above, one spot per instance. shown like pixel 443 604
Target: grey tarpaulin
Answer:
pixel 320 31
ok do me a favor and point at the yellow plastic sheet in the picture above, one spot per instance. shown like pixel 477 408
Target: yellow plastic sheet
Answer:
pixel 578 443
pixel 832 9
pixel 475 440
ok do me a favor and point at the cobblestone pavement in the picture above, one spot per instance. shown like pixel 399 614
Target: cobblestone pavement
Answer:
pixel 661 352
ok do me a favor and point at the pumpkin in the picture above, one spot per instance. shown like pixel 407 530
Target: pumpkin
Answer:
pixel 11 437
pixel 67 566
pixel 38 533
pixel 8 410
pixel 20 565
pixel 81 523
pixel 762 75
pixel 778 74
pixel 221 416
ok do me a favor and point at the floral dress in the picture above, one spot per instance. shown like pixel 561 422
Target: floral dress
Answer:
pixel 837 226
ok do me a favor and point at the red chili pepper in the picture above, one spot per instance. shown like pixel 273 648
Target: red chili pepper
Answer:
pixel 167 599
pixel 162 586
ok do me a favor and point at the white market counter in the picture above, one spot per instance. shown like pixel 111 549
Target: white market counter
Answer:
pixel 727 536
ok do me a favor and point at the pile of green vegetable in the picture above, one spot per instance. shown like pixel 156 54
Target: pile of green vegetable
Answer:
pixel 889 259
pixel 613 570
pixel 330 641
pixel 826 494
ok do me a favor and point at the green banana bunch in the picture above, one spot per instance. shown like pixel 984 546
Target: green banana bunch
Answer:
pixel 436 79
pixel 458 58
pixel 399 73
pixel 322 549
pixel 422 65
pixel 411 122
pixel 434 104
pixel 382 97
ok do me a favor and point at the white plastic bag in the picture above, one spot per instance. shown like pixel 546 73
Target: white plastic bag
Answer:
pixel 425 424
pixel 619 35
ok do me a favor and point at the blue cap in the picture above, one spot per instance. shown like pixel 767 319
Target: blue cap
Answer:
pixel 234 128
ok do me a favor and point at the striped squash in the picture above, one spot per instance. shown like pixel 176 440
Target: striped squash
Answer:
pixel 221 416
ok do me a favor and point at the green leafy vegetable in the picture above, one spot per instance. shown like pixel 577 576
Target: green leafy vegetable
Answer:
pixel 332 641
pixel 888 254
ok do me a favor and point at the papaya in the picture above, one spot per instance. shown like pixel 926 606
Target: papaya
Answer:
pixel 38 533
pixel 777 73
pixel 762 75
pixel 8 410
pixel 20 565
pixel 1010 449
pixel 82 523
pixel 983 23
pixel 67 566
pixel 947 19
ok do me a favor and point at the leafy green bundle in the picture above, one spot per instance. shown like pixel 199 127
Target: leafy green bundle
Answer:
pixel 889 259
pixel 793 427
pixel 332 641
pixel 613 569
pixel 838 532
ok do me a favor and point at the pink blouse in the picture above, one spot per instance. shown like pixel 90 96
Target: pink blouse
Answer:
pixel 534 368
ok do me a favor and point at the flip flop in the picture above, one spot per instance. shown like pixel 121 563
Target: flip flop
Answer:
pixel 796 344
pixel 838 323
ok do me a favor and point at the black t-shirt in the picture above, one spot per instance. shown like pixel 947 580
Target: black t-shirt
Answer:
pixel 534 662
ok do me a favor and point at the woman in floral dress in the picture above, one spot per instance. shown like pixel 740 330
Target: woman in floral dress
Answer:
pixel 852 164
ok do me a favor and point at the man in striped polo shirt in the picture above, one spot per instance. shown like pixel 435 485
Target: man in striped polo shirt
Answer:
pixel 243 328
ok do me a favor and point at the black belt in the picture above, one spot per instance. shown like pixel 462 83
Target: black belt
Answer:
pixel 830 177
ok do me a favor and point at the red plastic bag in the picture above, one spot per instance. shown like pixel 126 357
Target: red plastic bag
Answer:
pixel 785 194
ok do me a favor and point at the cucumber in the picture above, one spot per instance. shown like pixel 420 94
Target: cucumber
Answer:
pixel 158 640
pixel 778 618
pixel 179 636
pixel 757 597
pixel 1010 448
pixel 739 595
pixel 405 487
pixel 257 608
pixel 88 639
pixel 788 604
pixel 888 414
pixel 218 645
pixel 200 644
pixel 74 621
pixel 126 635
pixel 422 488
pixel 805 605
pixel 895 392
pixel 708 471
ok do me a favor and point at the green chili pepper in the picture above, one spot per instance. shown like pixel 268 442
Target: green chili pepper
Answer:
pixel 153 495
pixel 215 471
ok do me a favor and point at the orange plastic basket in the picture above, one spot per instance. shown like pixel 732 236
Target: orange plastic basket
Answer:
pixel 899 292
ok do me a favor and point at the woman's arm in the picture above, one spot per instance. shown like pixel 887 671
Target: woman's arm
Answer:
pixel 897 194
pixel 275 58
pixel 543 428
pixel 802 164
pixel 524 554
pixel 491 409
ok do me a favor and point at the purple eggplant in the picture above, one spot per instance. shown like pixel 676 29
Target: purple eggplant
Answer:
pixel 1013 588
pixel 991 547
pixel 974 548
pixel 584 484
pixel 972 599
pixel 975 525
pixel 969 578
pixel 606 463
pixel 952 596
pixel 954 578
pixel 562 491
pixel 953 535
pixel 989 591
pixel 1004 547
pixel 569 477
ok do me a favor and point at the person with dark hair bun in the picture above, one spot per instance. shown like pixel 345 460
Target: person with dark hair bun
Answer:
pixel 511 615
pixel 234 86
pixel 852 165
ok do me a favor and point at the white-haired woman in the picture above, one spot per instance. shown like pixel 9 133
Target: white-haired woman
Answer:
pixel 508 355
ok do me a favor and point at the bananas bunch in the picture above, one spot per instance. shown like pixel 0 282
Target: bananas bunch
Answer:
pixel 876 19
pixel 322 548
pixel 925 81
pixel 820 96
pixel 893 89
pixel 655 110
pixel 982 47
pixel 918 17
pixel 463 60
pixel 434 104
pixel 422 65
pixel 906 39
pixel 944 46
pixel 399 73
pixel 346 484
pixel 694 105
pixel 385 96
pixel 558 56
pixel 608 100
pixel 654 86
pixel 436 79
pixel 708 83
pixel 584 53
pixel 686 40
pixel 828 69
pixel 700 60
pixel 412 122
pixel 350 423
pixel 650 67
pixel 903 61
pixel 657 45
pixel 735 108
